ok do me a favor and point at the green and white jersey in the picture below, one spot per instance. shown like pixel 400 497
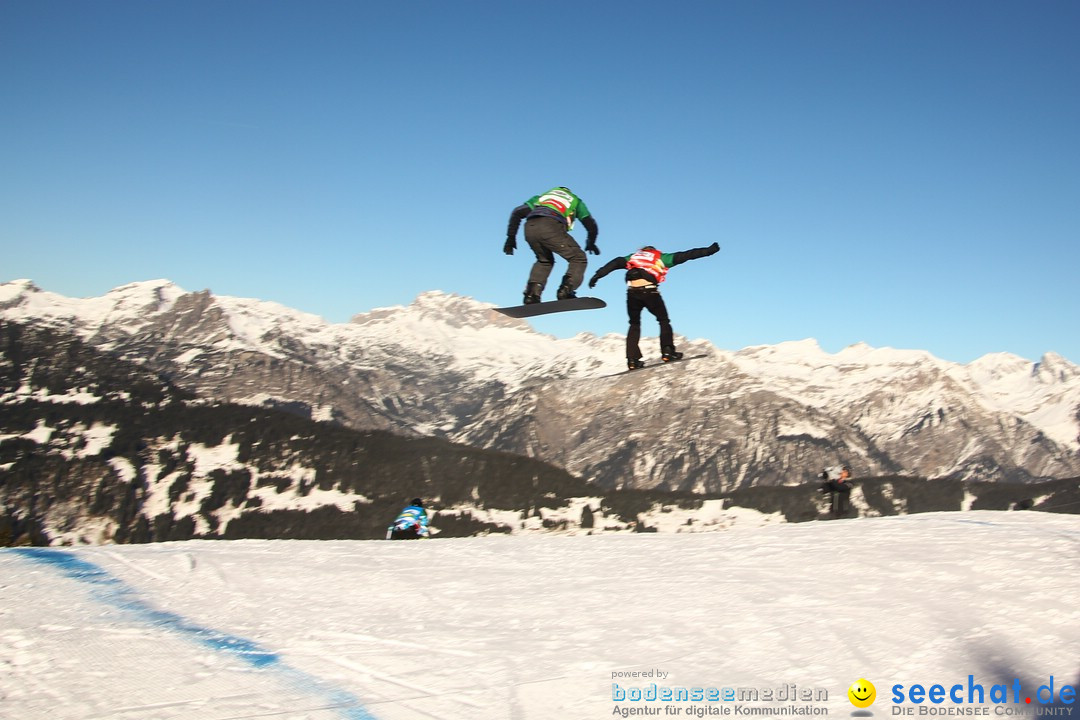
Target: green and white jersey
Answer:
pixel 560 202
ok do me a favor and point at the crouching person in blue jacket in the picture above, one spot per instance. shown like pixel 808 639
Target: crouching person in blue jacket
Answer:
pixel 410 524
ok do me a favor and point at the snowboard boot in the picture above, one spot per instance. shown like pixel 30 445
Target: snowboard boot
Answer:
pixel 565 292
pixel 632 364
pixel 532 293
pixel 669 354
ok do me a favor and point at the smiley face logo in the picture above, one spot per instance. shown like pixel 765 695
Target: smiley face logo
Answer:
pixel 862 693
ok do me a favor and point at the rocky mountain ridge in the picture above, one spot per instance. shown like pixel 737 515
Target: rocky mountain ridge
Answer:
pixel 450 367
pixel 96 449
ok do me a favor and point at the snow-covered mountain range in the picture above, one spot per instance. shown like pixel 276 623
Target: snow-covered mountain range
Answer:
pixel 450 367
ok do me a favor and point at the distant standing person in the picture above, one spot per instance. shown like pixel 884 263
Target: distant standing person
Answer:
pixel 645 270
pixel 838 485
pixel 549 218
pixel 410 524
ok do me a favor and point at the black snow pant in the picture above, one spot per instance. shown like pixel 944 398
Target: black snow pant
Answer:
pixel 647 298
pixel 405 534
pixel 548 237
pixel 838 496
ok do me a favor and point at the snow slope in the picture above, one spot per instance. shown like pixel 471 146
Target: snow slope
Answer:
pixel 541 627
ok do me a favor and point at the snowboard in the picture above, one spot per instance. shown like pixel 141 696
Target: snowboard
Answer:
pixel 656 364
pixel 553 306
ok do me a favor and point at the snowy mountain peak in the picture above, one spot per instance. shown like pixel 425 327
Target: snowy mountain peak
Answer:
pixel 868 355
pixel 16 292
pixel 1053 368
pixel 807 347
pixel 451 366
pixel 24 298
pixel 141 297
pixel 456 310
pixel 147 289
pixel 858 349
pixel 13 287
pixel 436 309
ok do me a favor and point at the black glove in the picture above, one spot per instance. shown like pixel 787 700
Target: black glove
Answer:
pixel 714 248
pixel 510 246
pixel 592 282
pixel 591 247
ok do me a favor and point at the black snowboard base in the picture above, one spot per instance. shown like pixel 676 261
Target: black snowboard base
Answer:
pixel 553 306
pixel 649 365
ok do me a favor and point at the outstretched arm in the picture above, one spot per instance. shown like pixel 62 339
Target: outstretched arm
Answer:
pixel 681 257
pixel 616 264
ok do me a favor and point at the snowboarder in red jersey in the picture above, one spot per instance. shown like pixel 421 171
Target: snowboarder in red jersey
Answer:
pixel 645 270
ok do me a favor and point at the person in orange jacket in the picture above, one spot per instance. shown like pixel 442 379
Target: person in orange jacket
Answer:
pixel 838 485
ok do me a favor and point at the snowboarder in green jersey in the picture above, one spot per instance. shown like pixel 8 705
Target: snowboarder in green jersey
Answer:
pixel 548 220
pixel 645 270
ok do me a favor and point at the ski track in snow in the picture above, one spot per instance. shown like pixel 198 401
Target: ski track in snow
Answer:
pixel 113 593
pixel 530 627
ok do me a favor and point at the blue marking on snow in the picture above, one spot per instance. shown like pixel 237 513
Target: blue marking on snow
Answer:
pixel 111 590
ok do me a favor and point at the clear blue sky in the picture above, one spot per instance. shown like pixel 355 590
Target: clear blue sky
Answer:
pixel 905 174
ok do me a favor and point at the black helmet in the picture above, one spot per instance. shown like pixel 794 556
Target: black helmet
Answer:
pixel 418 502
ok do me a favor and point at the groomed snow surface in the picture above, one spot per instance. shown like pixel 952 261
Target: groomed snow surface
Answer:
pixel 530 627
